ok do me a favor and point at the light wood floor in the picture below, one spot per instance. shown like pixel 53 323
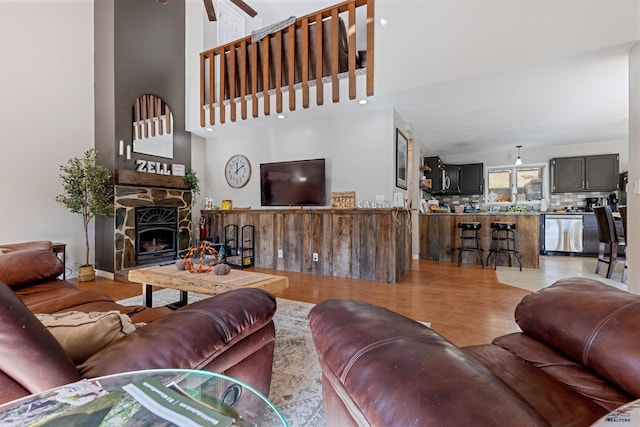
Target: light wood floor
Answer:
pixel 467 305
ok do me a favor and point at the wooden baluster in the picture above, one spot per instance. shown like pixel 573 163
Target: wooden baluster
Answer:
pixel 232 82
pixel 319 60
pixel 254 79
pixel 305 62
pixel 335 69
pixel 212 88
pixel 223 79
pixel 278 66
pixel 292 68
pixel 352 50
pixel 243 79
pixel 265 75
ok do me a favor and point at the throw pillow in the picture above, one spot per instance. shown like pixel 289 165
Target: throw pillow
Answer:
pixel 83 334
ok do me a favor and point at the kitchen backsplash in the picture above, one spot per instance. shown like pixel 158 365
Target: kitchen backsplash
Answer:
pixel 558 201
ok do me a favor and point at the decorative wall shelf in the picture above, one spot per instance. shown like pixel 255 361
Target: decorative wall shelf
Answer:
pixel 145 179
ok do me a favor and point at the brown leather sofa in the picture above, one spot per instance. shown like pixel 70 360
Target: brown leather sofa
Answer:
pixel 231 333
pixel 576 359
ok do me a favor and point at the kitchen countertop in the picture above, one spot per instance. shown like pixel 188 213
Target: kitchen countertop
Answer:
pixel 485 213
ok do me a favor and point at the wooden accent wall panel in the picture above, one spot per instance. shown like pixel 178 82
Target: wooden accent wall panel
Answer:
pixel 368 244
pixel 440 237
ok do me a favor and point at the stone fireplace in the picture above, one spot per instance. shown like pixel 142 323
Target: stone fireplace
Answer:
pixel 152 225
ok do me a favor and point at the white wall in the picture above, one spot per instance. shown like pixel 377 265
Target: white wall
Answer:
pixel 359 150
pixel 47 109
pixel 633 200
pixel 453 39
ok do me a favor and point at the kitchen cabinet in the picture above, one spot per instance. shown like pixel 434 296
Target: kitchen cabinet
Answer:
pixel 432 168
pixel 472 179
pixel 452 178
pixel 584 173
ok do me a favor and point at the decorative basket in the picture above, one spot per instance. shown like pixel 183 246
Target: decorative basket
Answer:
pixel 203 251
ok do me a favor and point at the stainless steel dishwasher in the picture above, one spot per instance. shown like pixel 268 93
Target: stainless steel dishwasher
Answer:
pixel 563 233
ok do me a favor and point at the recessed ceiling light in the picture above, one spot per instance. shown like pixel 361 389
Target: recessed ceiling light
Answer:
pixel 383 21
pixel 209 129
pixel 363 101
pixel 282 116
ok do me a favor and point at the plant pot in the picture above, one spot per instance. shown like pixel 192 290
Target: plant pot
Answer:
pixel 86 273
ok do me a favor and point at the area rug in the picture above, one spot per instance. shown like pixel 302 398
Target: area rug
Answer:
pixel 296 386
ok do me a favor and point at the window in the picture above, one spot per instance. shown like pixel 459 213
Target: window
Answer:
pixel 521 184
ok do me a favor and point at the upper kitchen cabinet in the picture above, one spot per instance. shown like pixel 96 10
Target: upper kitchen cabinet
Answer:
pixel 447 179
pixel 452 179
pixel 471 178
pixel 584 173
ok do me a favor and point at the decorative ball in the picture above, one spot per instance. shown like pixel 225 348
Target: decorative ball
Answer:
pixel 180 264
pixel 221 269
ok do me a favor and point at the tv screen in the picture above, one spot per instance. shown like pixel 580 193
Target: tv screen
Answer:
pixel 297 183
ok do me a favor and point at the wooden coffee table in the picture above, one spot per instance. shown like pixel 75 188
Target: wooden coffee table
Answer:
pixel 168 276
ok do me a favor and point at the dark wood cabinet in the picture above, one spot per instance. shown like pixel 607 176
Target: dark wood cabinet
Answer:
pixel 584 173
pixel 452 178
pixel 432 171
pixel 602 172
pixel 472 179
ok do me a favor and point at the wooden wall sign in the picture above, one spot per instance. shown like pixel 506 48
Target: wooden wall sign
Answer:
pixel 343 199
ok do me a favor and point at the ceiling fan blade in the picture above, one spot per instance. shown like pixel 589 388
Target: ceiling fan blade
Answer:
pixel 163 1
pixel 211 13
pixel 245 8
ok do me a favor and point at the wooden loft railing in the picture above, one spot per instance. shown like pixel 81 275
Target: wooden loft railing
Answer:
pixel 287 60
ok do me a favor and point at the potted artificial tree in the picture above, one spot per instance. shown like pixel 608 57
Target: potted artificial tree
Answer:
pixel 88 191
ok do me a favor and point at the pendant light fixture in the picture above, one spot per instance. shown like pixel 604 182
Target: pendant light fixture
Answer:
pixel 519 159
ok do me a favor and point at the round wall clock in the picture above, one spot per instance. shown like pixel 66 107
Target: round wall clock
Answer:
pixel 237 171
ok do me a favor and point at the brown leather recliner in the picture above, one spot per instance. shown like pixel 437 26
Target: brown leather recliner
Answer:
pixel 231 333
pixel 575 360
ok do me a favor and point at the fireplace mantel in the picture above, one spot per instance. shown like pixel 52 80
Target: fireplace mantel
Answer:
pixel 145 179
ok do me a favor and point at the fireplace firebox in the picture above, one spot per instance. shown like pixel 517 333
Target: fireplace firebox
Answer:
pixel 156 234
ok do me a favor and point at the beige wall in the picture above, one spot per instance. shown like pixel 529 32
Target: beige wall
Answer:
pixel 47 110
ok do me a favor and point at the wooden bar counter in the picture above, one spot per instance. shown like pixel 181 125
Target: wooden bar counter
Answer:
pixel 440 236
pixel 367 244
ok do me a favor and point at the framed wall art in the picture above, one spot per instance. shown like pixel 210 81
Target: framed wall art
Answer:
pixel 402 159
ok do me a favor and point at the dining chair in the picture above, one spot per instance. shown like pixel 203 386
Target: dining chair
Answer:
pixel 608 239
pixel 623 217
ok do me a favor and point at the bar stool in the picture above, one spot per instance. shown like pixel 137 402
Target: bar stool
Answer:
pixel 503 241
pixel 469 232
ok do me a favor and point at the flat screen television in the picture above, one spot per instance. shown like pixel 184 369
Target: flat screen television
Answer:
pixel 295 183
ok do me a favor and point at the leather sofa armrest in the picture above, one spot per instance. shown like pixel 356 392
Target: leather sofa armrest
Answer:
pixel 189 338
pixel 31 360
pixel 387 369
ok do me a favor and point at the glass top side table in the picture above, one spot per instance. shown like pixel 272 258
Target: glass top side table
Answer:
pixel 225 395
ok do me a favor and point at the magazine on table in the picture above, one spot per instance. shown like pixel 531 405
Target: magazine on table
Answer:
pixel 143 402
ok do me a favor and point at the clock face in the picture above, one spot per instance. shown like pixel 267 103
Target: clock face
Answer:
pixel 237 171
